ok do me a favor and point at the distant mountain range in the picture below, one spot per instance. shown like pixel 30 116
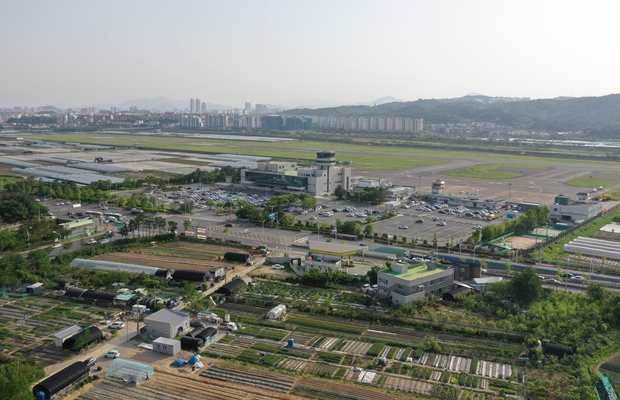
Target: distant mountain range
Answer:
pixel 596 116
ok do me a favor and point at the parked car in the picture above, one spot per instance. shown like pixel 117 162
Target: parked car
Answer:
pixel 477 226
pixel 117 325
pixel 441 223
pixel 229 225
pixel 91 361
pixel 113 354
pixel 403 227
pixel 196 323
pixel 57 246
pixel 91 241
pixel 278 266
pixel 420 221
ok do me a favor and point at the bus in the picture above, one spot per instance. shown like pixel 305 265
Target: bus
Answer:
pixel 112 214
pixel 93 213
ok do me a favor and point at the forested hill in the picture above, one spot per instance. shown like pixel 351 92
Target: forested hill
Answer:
pixel 598 116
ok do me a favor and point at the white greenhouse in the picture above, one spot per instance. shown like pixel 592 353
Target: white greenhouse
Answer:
pixel 113 266
pixel 276 312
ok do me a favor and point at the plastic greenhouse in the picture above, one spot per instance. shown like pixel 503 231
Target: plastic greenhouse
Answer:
pixel 276 312
pixel 129 371
pixel 112 266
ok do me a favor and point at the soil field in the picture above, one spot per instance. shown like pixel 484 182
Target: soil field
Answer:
pixel 332 390
pixel 169 387
pixel 519 242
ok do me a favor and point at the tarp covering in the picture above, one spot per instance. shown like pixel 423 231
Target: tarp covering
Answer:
pixel 178 363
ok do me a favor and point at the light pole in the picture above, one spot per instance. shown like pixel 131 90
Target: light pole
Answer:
pixel 59 235
pixel 509 185
pixel 419 182
pixel 264 226
pixel 28 235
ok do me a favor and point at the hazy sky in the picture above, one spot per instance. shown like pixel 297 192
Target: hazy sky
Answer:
pixel 87 52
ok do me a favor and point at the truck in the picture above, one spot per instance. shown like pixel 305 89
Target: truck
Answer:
pixel 231 326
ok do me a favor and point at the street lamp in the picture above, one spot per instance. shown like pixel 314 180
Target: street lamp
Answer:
pixel 264 226
pixel 28 234
pixel 419 182
pixel 59 235
pixel 509 185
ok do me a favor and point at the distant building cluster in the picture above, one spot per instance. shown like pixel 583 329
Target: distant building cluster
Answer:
pixel 373 124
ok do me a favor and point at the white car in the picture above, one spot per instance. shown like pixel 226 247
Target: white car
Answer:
pixel 403 227
pixel 117 325
pixel 91 241
pixel 441 223
pixel 477 226
pixel 278 266
pixel 57 246
pixel 113 354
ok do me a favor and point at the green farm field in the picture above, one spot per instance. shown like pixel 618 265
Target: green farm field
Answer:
pixel 490 171
pixel 363 155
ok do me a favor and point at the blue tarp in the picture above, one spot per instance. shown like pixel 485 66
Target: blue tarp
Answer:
pixel 178 363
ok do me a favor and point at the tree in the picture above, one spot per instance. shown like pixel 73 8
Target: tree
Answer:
pixel 508 266
pixel 368 230
pixel 288 220
pixel 340 192
pixel 351 228
pixel 187 224
pixel 373 274
pixel 308 201
pixel 67 245
pixel 527 286
pixel 173 226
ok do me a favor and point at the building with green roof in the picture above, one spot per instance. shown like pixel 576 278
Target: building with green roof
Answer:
pixel 404 283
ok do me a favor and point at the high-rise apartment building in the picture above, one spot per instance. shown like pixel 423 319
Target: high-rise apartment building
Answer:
pixel 191 106
pixel 248 108
pixel 261 109
pixel 203 107
pixel 197 106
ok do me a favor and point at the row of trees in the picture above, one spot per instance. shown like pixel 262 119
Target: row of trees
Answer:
pixel 367 195
pixel 532 219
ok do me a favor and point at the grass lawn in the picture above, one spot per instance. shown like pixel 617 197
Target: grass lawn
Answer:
pixel 369 155
pixel 588 182
pixel 490 171
pixel 608 172
pixel 615 194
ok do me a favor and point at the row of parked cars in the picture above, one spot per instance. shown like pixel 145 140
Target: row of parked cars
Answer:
pixel 200 196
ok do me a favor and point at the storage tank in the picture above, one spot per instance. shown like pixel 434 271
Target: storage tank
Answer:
pixel 291 342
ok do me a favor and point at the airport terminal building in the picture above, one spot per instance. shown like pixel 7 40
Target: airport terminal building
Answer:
pixel 318 180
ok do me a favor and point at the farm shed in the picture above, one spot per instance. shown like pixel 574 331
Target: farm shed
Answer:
pixel 164 273
pixel 166 323
pixel 454 294
pixel 83 338
pixel 276 312
pixel 191 344
pixel 231 286
pixel 61 380
pixel 128 371
pixel 237 257
pixel 559 350
pixel 166 346
pixel 35 288
pixel 208 335
pixel 189 275
pixel 59 337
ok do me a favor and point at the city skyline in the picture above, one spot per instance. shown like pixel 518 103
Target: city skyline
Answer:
pixel 72 54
